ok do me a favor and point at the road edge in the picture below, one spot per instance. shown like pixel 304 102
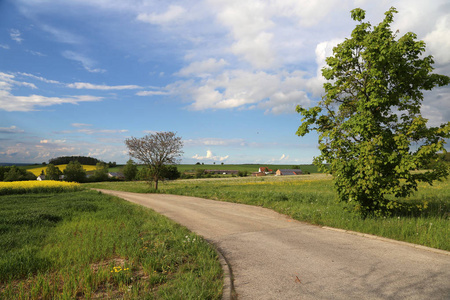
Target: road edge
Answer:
pixel 228 292
pixel 375 237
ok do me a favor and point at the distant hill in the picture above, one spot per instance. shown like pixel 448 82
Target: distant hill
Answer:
pixel 64 160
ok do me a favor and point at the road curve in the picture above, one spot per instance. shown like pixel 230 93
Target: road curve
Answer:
pixel 275 257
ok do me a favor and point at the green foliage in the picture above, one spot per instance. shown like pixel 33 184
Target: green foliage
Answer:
pixel 199 173
pixel 13 173
pixel 84 160
pixel 52 172
pixel 242 173
pixel 74 172
pixel 171 172
pixel 369 121
pixel 130 170
pixel 101 171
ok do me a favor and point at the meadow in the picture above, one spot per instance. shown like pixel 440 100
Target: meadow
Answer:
pixel 250 168
pixel 424 218
pixel 83 244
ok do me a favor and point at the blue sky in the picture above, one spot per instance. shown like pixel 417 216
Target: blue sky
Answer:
pixel 78 77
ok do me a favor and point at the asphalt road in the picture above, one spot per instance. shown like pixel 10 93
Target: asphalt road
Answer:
pixel 274 257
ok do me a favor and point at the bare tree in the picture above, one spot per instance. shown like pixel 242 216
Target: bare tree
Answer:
pixel 156 151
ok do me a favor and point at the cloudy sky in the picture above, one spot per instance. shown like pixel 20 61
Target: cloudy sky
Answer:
pixel 77 77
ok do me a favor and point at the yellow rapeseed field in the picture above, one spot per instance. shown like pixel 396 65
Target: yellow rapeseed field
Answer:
pixel 38 171
pixel 35 186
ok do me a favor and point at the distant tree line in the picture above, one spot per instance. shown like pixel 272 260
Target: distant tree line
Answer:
pixel 13 173
pixel 64 160
pixel 84 160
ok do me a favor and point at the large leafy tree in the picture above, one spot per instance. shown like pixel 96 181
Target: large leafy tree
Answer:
pixel 156 151
pixel 371 131
pixel 52 172
pixel 74 172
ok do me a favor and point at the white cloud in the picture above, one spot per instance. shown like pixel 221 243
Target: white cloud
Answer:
pixel 90 86
pixel 202 68
pixel 16 35
pixel 36 53
pixel 11 129
pixel 80 125
pixel 151 93
pixel 438 41
pixel 87 63
pixel 214 142
pixel 275 93
pixel 210 156
pixel 52 141
pixel 39 78
pixel 10 102
pixel 174 13
pixel 283 159
pixel 249 22
pixel 307 13
pixel 7 82
pixel 63 36
pixel 3 46
pixel 101 131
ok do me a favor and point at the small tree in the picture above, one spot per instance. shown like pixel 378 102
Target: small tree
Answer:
pixel 74 172
pixel 101 171
pixel 156 151
pixel 130 170
pixel 371 131
pixel 171 172
pixel 52 172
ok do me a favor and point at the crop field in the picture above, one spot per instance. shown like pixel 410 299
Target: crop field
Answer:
pixel 311 198
pixel 83 244
pixel 37 171
pixel 47 186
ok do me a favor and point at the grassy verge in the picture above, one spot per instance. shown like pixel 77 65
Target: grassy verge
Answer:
pixel 311 198
pixel 85 244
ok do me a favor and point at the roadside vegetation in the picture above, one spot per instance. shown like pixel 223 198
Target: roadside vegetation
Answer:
pixel 423 218
pixel 83 244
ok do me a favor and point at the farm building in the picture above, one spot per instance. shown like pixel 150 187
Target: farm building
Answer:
pixel 281 172
pixel 257 174
pixel 117 175
pixel 41 177
pixel 265 170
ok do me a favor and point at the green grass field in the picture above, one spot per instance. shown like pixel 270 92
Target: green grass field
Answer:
pixel 311 198
pixel 85 244
pixel 250 168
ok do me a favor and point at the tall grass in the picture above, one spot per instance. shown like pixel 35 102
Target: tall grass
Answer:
pixel 88 245
pixel 311 198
